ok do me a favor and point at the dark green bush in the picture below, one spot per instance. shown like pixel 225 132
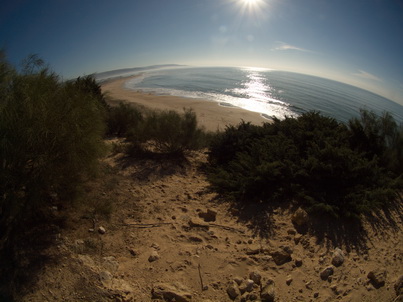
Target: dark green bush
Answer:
pixel 308 159
pixel 50 140
pixel 167 132
pixel 123 119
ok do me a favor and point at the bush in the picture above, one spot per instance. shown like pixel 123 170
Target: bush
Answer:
pixel 50 140
pixel 123 119
pixel 308 159
pixel 167 132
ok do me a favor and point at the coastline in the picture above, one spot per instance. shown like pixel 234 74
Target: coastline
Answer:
pixel 210 114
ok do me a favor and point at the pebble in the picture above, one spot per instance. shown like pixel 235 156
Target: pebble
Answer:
pixel 233 291
pixel 327 272
pixel 101 230
pixel 256 277
pixel 338 257
pixel 377 277
pixel 154 256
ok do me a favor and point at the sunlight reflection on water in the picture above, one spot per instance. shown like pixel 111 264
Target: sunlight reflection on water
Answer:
pixel 255 94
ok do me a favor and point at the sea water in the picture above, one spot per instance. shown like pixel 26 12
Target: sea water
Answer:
pixel 269 92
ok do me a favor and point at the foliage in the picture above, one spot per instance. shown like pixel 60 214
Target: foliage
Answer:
pixel 167 132
pixel 379 136
pixel 50 139
pixel 310 159
pixel 123 119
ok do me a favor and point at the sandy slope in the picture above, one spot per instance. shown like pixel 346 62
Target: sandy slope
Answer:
pixel 156 209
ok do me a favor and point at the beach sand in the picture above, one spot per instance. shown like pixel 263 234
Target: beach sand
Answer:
pixel 210 114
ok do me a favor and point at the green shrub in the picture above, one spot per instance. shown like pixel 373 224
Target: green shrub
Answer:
pixel 167 132
pixel 307 159
pixel 123 119
pixel 50 140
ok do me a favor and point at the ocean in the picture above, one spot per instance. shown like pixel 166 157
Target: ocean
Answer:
pixel 269 92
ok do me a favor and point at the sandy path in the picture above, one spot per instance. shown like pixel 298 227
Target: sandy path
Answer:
pixel 210 115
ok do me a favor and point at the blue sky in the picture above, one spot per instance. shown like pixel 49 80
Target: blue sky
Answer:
pixel 353 41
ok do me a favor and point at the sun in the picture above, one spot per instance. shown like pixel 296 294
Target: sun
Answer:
pixel 250 2
pixel 251 5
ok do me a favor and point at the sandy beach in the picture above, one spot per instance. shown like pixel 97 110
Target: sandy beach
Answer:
pixel 210 114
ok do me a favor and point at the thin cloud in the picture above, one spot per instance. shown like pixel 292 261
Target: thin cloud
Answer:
pixel 284 46
pixel 366 75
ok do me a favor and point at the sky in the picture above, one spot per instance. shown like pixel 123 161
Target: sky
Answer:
pixel 359 42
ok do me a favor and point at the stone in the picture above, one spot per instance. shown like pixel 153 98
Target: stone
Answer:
pixel 289 279
pixel 327 272
pixel 133 252
pixel 281 256
pixel 238 280
pixel 268 292
pixel 298 262
pixel 246 286
pixel 233 291
pixel 110 264
pixel 197 223
pixel 155 246
pixel 168 292
pixel 195 239
pixel 399 286
pixel 101 230
pixel 208 216
pixel 256 277
pixel 299 218
pixel 377 277
pixel 154 256
pixel 105 276
pixel 338 257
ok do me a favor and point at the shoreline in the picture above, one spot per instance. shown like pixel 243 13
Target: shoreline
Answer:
pixel 210 115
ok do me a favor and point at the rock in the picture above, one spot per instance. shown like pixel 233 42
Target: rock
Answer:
pixel 101 230
pixel 246 286
pixel 105 276
pixel 399 286
pixel 291 232
pixel 281 256
pixel 195 239
pixel 377 277
pixel 154 256
pixel 288 281
pixel 300 218
pixel 197 223
pixel 133 252
pixel 238 280
pixel 233 291
pixel 256 277
pixel 169 292
pixel 316 294
pixel 298 262
pixel 327 272
pixel 208 216
pixel 338 257
pixel 268 292
pixel 155 246
pixel 110 264
pixel 252 297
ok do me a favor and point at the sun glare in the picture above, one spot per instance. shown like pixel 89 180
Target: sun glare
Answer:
pixel 254 8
